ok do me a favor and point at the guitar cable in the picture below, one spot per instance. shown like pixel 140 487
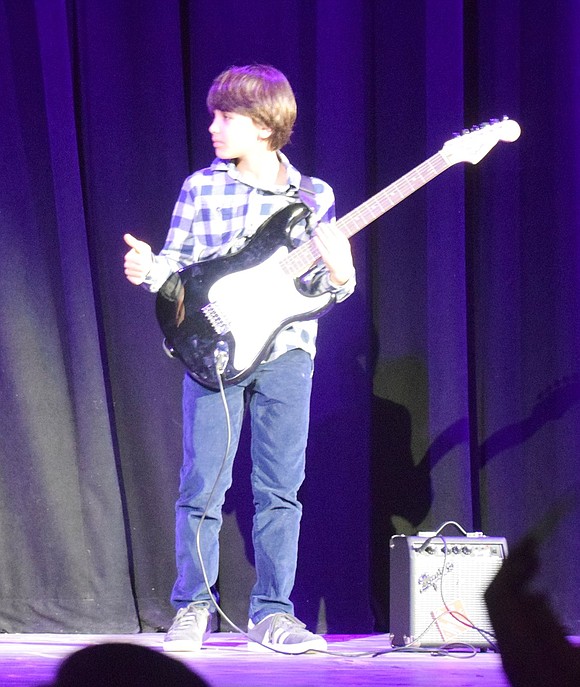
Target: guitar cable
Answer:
pixel 221 357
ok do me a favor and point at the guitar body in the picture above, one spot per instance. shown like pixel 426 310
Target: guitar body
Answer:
pixel 236 304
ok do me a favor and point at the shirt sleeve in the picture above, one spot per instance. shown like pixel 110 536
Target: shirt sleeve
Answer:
pixel 177 252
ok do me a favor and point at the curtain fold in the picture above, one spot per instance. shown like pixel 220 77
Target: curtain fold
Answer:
pixel 446 388
pixel 60 481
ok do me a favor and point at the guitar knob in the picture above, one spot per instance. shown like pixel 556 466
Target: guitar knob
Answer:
pixel 168 349
pixel 221 356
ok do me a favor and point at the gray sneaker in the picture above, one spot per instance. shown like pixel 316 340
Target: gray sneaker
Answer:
pixel 285 633
pixel 190 628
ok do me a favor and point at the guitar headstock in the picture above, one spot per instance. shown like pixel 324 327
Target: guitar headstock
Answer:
pixel 474 144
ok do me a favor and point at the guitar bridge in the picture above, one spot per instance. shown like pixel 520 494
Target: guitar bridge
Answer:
pixel 215 318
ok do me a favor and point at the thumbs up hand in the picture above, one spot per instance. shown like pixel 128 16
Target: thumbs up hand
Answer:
pixel 138 260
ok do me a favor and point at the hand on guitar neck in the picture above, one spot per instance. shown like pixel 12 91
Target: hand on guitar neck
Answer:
pixel 138 260
pixel 335 251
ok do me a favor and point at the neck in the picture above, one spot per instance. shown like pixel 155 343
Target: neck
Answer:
pixel 263 168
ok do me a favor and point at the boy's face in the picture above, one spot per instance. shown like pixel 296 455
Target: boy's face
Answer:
pixel 235 135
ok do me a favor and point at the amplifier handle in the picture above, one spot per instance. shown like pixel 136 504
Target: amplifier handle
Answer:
pixel 432 535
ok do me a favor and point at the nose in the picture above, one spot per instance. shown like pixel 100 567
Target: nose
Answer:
pixel 213 127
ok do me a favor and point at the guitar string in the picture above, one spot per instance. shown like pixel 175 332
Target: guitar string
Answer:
pixel 301 258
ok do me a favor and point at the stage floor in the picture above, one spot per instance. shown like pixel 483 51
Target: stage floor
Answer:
pixel 30 660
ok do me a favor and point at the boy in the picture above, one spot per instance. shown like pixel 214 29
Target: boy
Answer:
pixel 218 210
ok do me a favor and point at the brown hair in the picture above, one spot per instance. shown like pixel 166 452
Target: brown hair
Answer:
pixel 260 92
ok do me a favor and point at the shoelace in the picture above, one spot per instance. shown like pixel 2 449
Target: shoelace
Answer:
pixel 286 622
pixel 190 615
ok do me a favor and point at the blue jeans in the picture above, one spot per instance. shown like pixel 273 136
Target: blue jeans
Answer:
pixel 279 401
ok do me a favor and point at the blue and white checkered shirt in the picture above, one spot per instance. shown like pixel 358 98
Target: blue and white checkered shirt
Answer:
pixel 217 212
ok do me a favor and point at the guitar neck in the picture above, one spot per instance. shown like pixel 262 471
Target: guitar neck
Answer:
pixel 299 261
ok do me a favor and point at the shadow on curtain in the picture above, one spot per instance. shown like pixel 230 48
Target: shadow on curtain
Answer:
pixel 446 388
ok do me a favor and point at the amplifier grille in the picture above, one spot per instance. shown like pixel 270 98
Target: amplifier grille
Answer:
pixel 437 587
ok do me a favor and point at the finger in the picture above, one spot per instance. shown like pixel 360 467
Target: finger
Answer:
pixel 331 236
pixel 134 272
pixel 135 280
pixel 134 268
pixel 323 240
pixel 136 244
pixel 321 245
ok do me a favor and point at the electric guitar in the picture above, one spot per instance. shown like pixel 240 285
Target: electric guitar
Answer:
pixel 220 316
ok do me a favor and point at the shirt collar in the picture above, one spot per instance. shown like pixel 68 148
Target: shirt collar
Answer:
pixel 229 166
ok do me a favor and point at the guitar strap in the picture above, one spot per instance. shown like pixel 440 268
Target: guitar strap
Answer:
pixel 306 193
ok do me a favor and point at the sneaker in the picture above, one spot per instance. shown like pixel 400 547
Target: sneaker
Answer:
pixel 285 633
pixel 190 628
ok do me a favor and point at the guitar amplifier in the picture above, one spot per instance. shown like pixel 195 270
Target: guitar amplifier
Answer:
pixel 437 585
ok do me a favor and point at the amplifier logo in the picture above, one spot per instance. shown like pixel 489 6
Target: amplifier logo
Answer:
pixel 431 581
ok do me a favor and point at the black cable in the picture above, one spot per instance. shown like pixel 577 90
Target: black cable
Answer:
pixel 455 614
pixel 220 363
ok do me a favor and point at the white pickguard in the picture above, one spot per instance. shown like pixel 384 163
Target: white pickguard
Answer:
pixel 256 301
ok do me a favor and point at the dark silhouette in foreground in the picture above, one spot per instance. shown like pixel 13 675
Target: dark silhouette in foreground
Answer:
pixel 126 665
pixel 535 651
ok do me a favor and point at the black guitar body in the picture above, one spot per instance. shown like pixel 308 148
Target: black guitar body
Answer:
pixel 213 312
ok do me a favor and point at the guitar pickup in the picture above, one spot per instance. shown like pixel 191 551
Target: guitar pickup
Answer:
pixel 215 318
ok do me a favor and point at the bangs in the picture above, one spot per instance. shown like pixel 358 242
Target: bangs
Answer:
pixel 260 92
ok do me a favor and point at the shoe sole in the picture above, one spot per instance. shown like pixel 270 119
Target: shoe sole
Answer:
pixel 291 649
pixel 181 645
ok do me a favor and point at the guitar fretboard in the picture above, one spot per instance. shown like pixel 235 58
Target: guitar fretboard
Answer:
pixel 299 261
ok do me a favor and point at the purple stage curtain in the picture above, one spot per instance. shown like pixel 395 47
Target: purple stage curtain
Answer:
pixel 446 388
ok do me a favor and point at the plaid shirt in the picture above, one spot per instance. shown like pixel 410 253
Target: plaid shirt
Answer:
pixel 217 212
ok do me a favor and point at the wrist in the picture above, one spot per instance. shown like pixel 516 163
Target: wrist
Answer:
pixel 339 280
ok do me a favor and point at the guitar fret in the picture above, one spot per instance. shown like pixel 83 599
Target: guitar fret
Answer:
pixel 298 261
pixel 301 259
pixel 386 199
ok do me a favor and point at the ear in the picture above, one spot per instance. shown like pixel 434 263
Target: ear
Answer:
pixel 265 133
